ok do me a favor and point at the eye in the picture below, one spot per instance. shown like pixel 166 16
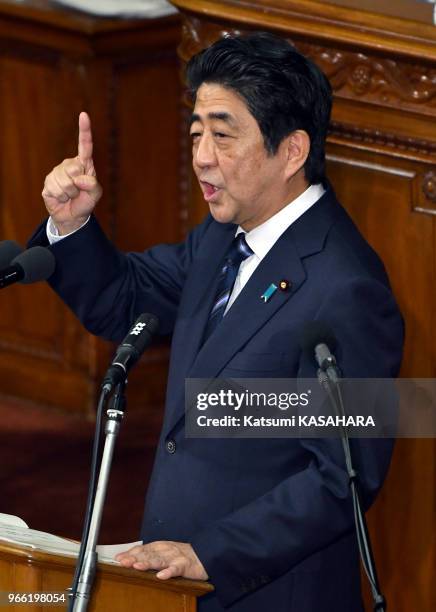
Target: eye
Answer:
pixel 220 135
pixel 195 136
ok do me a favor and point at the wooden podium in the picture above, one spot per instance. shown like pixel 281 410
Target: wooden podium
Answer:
pixel 116 589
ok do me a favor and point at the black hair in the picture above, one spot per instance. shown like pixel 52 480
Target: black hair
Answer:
pixel 283 90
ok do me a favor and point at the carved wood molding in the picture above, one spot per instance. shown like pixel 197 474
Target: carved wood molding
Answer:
pixel 197 34
pixel 323 21
pixel 375 79
pixel 429 186
pixel 386 140
pixel 370 78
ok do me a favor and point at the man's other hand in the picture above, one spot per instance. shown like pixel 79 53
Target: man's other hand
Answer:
pixel 170 558
pixel 71 190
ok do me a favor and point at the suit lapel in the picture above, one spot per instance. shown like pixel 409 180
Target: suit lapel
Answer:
pixel 199 293
pixel 249 312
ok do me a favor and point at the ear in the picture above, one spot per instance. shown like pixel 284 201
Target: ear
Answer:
pixel 297 150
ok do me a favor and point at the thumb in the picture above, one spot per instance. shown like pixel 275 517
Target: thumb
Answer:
pixel 84 182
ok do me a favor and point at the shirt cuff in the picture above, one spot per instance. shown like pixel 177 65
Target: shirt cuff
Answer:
pixel 53 235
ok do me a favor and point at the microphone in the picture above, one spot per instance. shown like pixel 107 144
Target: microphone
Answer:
pixel 318 340
pixel 8 250
pixel 130 350
pixel 35 264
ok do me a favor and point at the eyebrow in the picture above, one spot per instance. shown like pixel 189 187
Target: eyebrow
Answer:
pixel 220 116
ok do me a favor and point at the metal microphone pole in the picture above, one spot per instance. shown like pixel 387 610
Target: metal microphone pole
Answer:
pixel 329 379
pixel 115 415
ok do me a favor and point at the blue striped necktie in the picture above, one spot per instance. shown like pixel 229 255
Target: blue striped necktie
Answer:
pixel 239 250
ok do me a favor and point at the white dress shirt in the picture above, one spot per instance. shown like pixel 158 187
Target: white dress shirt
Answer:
pixel 53 234
pixel 263 237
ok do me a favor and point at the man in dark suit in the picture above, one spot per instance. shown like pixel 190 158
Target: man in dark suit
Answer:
pixel 268 521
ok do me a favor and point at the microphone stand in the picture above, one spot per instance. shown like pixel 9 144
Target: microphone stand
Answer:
pixel 81 597
pixel 329 379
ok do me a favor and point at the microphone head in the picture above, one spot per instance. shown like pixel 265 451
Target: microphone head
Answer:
pixel 37 263
pixel 142 331
pixel 314 333
pixel 8 250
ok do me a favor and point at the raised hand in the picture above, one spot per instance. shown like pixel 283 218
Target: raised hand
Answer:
pixel 71 190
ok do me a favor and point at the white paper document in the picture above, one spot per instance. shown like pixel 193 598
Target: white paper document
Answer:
pixel 122 8
pixel 15 530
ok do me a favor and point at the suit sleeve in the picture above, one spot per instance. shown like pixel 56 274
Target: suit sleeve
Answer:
pixel 312 508
pixel 107 289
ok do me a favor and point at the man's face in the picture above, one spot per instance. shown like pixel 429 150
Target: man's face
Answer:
pixel 240 181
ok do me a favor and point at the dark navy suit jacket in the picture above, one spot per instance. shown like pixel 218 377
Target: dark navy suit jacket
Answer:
pixel 271 519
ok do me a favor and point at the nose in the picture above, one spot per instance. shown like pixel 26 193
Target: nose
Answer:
pixel 203 152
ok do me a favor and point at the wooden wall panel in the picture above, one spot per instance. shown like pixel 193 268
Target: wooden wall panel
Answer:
pixel 402 527
pixel 147 130
pixel 379 194
pixel 53 64
pixel 143 194
pixel 37 336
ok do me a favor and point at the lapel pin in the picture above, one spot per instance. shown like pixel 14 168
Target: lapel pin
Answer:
pixel 284 285
pixel 269 293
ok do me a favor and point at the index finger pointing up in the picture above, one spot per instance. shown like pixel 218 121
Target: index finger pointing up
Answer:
pixel 85 140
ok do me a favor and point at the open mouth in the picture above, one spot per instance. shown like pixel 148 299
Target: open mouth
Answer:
pixel 209 190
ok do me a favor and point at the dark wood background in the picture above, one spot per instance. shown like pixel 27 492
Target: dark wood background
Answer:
pixel 125 73
pixel 381 161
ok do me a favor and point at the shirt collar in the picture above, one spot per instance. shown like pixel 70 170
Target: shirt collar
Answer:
pixel 262 238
